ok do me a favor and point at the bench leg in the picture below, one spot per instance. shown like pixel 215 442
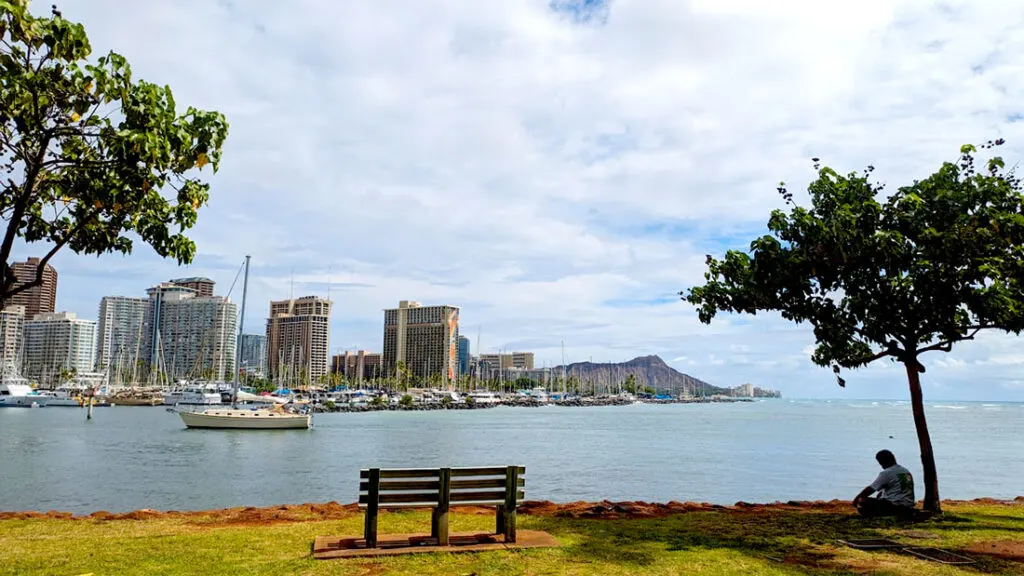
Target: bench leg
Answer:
pixel 439 519
pixel 500 520
pixel 373 501
pixel 510 526
pixel 509 509
pixel 370 528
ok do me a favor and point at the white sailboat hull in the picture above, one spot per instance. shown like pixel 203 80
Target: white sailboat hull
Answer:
pixel 245 419
pixel 23 401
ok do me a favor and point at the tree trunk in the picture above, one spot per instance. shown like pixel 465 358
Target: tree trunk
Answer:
pixel 931 478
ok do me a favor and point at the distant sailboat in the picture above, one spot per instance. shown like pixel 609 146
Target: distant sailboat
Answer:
pixel 275 418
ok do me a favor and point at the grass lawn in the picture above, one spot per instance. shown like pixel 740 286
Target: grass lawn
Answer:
pixel 759 541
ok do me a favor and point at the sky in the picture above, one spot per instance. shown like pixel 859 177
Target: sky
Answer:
pixel 558 168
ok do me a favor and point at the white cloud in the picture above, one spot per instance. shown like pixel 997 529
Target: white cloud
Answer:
pixel 540 173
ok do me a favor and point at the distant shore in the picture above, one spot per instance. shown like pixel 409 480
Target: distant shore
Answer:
pixel 605 510
pixel 517 403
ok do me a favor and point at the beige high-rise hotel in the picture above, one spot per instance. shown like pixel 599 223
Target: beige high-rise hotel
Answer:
pixel 424 338
pixel 298 339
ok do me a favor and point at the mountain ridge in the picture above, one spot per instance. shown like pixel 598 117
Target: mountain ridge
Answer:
pixel 648 370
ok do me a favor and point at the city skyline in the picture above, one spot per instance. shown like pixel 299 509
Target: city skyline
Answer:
pixel 544 182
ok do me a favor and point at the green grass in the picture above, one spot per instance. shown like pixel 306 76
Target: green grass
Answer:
pixel 709 543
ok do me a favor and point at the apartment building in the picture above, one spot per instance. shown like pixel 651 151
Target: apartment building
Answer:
pixel 358 366
pixel 464 356
pixel 12 326
pixel 252 358
pixel 121 331
pixel 520 360
pixel 39 299
pixel 190 336
pixel 57 342
pixel 203 287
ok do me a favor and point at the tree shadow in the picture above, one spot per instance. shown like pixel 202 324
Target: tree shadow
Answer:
pixel 803 540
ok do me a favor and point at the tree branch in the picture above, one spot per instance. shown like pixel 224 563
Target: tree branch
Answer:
pixel 46 259
pixel 21 204
pixel 947 345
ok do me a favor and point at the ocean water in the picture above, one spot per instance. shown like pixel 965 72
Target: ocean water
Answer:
pixel 138 457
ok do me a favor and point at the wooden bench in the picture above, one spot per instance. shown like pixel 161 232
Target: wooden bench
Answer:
pixel 439 488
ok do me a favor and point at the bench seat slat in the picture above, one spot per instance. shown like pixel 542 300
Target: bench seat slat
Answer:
pixel 483 483
pixel 393 486
pixel 497 496
pixel 395 505
pixel 403 473
pixel 486 471
pixel 395 497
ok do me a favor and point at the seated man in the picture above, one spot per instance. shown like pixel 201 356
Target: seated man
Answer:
pixel 895 487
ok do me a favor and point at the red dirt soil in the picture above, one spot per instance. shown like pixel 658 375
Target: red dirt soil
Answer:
pixel 1007 549
pixel 605 510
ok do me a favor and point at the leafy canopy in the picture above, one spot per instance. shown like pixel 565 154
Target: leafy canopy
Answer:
pixel 921 269
pixel 87 153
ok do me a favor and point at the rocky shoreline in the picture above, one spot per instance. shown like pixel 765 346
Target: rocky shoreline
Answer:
pixel 603 510
pixel 517 403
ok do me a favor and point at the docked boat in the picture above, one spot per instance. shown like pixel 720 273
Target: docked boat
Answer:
pixel 277 417
pixel 274 418
pixel 63 397
pixel 16 393
pixel 192 395
pixel 484 397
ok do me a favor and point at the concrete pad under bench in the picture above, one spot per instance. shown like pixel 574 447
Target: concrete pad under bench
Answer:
pixel 326 547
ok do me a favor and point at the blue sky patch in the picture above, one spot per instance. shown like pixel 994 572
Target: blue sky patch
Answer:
pixel 583 11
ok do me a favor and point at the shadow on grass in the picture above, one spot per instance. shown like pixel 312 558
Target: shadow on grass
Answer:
pixel 806 541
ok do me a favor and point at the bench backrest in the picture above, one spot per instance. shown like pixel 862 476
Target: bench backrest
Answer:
pixel 427 487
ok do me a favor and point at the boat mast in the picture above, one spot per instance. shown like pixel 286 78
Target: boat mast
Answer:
pixel 241 327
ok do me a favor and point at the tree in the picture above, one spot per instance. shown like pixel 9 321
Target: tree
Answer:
pixel 925 268
pixel 406 401
pixel 89 152
pixel 630 384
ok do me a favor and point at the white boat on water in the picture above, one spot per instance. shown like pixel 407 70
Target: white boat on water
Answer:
pixel 539 394
pixel 484 397
pixel 274 418
pixel 192 395
pixel 15 394
pixel 62 397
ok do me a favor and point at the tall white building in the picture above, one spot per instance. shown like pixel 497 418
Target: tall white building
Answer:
pixel 190 336
pixel 55 342
pixel 12 326
pixel 122 329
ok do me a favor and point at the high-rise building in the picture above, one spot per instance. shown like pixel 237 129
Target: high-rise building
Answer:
pixel 252 358
pixel 358 366
pixel 122 330
pixel 463 356
pixel 298 339
pixel 37 299
pixel 190 336
pixel 12 326
pixel 202 286
pixel 423 339
pixel 521 360
pixel 55 342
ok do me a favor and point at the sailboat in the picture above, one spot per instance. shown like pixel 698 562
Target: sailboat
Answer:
pixel 274 418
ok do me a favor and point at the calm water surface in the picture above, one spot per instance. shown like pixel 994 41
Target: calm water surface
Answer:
pixel 137 457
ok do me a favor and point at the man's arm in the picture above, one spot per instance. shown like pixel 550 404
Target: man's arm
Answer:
pixel 867 491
